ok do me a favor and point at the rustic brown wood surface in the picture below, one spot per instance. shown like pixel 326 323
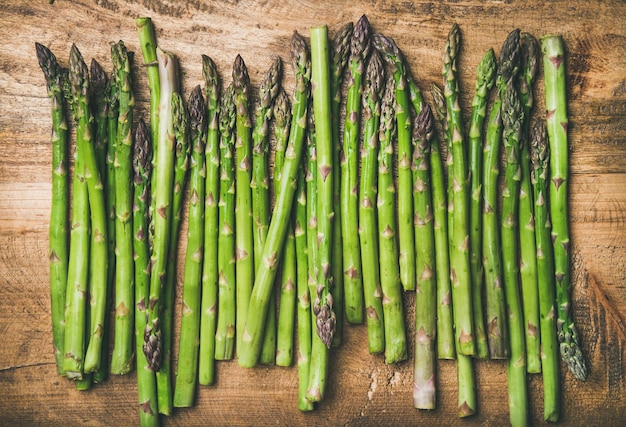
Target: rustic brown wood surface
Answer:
pixel 362 389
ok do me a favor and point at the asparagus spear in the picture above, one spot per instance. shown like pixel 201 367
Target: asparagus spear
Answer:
pixel 189 341
pixel 424 395
pixel 529 49
pixel 78 263
pixel 142 168
pixel 59 211
pixel 226 312
pixel 553 53
pixel 164 177
pixel 341 50
pixel 540 156
pixel 512 117
pixel 123 351
pixel 485 80
pixel 244 251
pixel 210 274
pixel 270 257
pixel 98 98
pixel 351 257
pixel 390 52
pixel 367 224
pixel 497 328
pixel 445 332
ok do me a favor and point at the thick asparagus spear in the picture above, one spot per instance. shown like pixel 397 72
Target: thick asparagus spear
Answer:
pixel 349 204
pixel 210 275
pixel 189 342
pixel 226 312
pixel 445 323
pixel 553 52
pixel 99 105
pixel 497 328
pixel 59 211
pixel 147 42
pixel 540 156
pixel 270 257
pixel 367 222
pixel 485 80
pixel 528 249
pixel 390 52
pixel 341 51
pixel 142 168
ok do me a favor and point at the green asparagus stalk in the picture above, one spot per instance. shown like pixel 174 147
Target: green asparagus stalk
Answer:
pixel 553 53
pixel 339 60
pixel 226 312
pixel 59 211
pixel 123 350
pixel 485 80
pixel 270 257
pixel 142 168
pixel 78 264
pixel 98 82
pixel 244 250
pixel 390 52
pixel 79 85
pixel 189 342
pixel 375 318
pixel 528 249
pixel 393 310
pixel 210 272
pixel 147 42
pixel 424 394
pixel 540 156
pixel 458 202
pixel 497 328
pixel 445 329
pixel 512 119
pixel 261 200
pixel 349 204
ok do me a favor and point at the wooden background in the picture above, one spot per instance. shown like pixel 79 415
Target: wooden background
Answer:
pixel 363 390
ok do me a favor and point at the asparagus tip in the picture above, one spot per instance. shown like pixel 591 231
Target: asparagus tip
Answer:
pixel 360 42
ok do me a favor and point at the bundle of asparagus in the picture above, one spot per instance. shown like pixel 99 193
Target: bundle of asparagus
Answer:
pixel 338 235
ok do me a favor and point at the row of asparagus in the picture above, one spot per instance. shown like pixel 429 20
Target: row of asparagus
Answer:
pixel 360 215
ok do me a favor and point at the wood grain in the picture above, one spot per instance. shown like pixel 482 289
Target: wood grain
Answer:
pixel 363 390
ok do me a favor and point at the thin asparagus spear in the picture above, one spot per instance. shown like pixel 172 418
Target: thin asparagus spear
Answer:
pixel 530 51
pixel 553 52
pixel 123 350
pixel 497 328
pixel 189 342
pixel 59 211
pixel 78 266
pixel 485 80
pixel 445 323
pixel 226 312
pixel 142 168
pixel 540 156
pixel 210 274
pixel 341 51
pixel 390 52
pixel 349 204
pixel 424 394
pixel 393 310
pixel 270 257
pixel 375 318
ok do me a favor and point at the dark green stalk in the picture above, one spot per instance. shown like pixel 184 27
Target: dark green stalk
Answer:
pixel 553 53
pixel 210 272
pixel 270 257
pixel 349 203
pixel 540 156
pixel 390 52
pixel 368 229
pixel 59 211
pixel 339 60
pixel 142 168
pixel 226 312
pixel 123 349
